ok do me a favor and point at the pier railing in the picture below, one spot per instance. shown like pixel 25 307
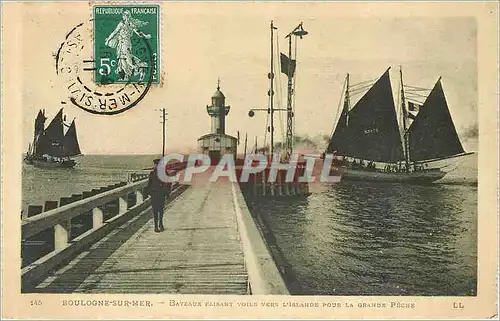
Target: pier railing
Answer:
pixel 135 177
pixel 59 221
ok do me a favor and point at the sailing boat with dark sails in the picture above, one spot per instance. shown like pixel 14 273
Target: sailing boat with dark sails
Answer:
pixel 51 147
pixel 369 143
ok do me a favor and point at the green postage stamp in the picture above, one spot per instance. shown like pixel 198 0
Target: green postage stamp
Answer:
pixel 126 44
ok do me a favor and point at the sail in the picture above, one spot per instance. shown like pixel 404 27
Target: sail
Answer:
pixel 39 126
pixel 39 122
pixel 52 139
pixel 373 132
pixel 71 146
pixel 338 142
pixel 432 135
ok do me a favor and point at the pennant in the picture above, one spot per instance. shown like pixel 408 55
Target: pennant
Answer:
pixel 287 65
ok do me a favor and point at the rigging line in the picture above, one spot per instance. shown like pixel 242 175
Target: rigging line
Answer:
pixel 337 117
pixel 363 82
pixel 356 94
pixel 416 88
pixel 293 101
pixel 415 94
pixel 266 131
pixel 361 88
pixel 359 91
pixel 280 95
pixel 412 90
pixel 414 100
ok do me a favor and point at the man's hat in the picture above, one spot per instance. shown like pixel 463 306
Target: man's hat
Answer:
pixel 156 161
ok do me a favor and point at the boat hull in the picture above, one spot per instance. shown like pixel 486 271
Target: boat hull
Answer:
pixel 44 164
pixel 419 177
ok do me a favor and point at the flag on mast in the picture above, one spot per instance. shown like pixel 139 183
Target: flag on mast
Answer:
pixel 287 65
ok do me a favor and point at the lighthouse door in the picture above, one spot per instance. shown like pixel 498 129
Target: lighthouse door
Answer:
pixel 214 156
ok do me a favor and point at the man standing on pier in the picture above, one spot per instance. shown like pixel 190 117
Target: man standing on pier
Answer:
pixel 158 191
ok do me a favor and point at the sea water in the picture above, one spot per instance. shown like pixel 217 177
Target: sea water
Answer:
pixel 366 238
pixel 92 171
pixel 351 238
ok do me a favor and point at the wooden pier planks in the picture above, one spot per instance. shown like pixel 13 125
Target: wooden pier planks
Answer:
pixel 198 253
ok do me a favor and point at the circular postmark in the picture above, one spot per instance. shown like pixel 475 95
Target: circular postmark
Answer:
pixel 115 81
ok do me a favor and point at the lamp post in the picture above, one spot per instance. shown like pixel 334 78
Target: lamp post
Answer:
pixel 298 32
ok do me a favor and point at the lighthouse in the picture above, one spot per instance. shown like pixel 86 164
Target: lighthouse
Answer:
pixel 217 143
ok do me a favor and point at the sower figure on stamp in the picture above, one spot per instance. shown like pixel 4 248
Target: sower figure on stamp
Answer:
pixel 128 65
pixel 159 192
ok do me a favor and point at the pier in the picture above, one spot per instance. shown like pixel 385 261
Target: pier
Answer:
pixel 211 245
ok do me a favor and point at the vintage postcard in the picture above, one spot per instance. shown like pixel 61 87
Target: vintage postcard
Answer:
pixel 311 160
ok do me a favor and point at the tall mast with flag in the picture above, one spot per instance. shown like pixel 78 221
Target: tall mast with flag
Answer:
pixel 288 67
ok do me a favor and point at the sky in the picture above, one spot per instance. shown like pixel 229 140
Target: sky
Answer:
pixel 203 41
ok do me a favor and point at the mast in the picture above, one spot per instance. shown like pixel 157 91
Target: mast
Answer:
pixel 271 91
pixel 346 108
pixel 347 100
pixel 405 128
pixel 292 65
pixel 246 137
pixel 289 113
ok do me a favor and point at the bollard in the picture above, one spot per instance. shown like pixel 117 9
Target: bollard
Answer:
pixel 122 205
pixel 62 234
pixel 139 197
pixel 97 218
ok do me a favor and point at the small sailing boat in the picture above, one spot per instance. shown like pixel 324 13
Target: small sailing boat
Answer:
pixel 51 147
pixel 369 143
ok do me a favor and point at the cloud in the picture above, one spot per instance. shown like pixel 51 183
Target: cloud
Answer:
pixel 472 131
